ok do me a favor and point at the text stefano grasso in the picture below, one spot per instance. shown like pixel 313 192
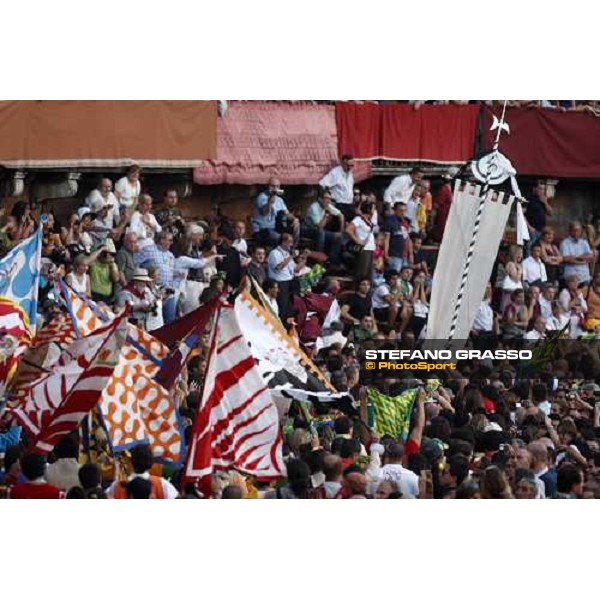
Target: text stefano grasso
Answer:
pixel 448 354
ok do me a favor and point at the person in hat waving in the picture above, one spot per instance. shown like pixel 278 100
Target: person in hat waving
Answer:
pixel 139 298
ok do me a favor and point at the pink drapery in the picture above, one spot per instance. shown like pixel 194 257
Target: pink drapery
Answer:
pixel 257 140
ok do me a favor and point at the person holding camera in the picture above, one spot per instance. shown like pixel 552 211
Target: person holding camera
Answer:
pixel 325 224
pixel 170 218
pixel 272 217
pixel 139 298
pixel 282 268
pixel 159 254
pixel 104 273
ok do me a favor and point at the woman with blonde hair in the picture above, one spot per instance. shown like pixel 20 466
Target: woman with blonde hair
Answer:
pixel 551 256
pixel 513 278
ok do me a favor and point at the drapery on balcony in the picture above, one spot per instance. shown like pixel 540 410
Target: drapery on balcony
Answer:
pixel 257 140
pixel 106 133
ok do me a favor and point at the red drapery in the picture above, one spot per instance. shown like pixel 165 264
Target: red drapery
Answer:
pixel 444 134
pixel 358 129
pixel 257 140
pixel 549 143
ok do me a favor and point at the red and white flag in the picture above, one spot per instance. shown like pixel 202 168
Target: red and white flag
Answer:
pixel 237 426
pixel 58 401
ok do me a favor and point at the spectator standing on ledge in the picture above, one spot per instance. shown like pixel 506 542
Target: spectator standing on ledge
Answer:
pixel 143 223
pixel 401 188
pixel 170 218
pixel 360 231
pixel 577 254
pixel 340 182
pixel 282 269
pixel 128 189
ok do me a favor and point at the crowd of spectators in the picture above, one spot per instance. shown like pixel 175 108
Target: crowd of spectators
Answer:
pixel 488 431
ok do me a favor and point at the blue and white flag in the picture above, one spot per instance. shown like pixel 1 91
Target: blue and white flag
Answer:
pixel 20 276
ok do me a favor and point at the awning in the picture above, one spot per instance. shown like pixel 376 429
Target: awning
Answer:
pixel 106 133
pixel 258 140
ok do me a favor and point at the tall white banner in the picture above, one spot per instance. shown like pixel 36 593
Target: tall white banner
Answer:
pixel 452 258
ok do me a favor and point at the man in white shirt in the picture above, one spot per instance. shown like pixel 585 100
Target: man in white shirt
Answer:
pixel 102 196
pixel 406 480
pixel 401 188
pixel 485 323
pixel 340 182
pixel 143 222
pixel 545 300
pixel 577 254
pixel 534 270
pixel 539 330
pixel 385 303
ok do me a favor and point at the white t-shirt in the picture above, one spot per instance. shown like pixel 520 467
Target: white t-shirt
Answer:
pixel 96 201
pixel 406 480
pixel 78 282
pixel 378 300
pixel 145 233
pixel 534 270
pixel 400 190
pixel 129 191
pixel 364 233
pixel 341 185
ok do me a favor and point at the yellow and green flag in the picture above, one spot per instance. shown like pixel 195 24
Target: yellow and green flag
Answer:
pixel 392 413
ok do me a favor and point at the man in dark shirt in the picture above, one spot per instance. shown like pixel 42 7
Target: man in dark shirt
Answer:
pixel 536 211
pixel 230 263
pixel 397 242
pixel 358 305
pixel 170 218
pixel 258 267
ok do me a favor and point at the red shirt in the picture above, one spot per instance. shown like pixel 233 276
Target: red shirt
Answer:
pixel 35 491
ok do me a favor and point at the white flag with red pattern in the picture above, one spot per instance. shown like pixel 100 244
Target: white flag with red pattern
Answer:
pixel 237 426
pixel 58 401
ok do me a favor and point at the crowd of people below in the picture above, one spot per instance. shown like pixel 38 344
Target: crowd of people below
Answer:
pixel 486 432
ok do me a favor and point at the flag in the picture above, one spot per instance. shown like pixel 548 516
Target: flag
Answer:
pixel 135 409
pixel 237 425
pixel 181 352
pixel 392 413
pixel 42 354
pixel 19 284
pixel 285 368
pixel 59 400
pixel 458 248
pixel 172 334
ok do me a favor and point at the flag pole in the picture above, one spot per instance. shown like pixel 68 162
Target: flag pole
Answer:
pixel 500 125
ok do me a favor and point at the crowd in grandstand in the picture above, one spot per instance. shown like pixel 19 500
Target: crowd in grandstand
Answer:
pixel 486 432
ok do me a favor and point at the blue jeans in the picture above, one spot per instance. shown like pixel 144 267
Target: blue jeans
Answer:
pixel 169 309
pixel 327 241
pixel 395 263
